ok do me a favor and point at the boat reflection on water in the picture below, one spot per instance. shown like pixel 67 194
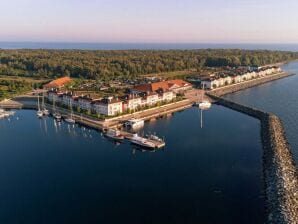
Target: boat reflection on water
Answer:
pixel 137 148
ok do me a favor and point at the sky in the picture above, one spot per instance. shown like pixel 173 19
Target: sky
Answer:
pixel 152 21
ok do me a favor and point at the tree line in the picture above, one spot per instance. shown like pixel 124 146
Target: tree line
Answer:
pixel 107 65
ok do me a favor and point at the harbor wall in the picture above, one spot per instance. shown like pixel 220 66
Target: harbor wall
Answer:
pixel 279 169
pixel 248 84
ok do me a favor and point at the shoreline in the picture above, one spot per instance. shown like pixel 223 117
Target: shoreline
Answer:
pixel 279 168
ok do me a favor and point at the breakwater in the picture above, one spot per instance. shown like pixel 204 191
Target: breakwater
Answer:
pixel 248 84
pixel 280 174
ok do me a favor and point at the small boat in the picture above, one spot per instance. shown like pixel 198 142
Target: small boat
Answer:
pixel 114 134
pixel 45 111
pixel 57 116
pixel 39 112
pixel 155 138
pixel 135 123
pixel 70 119
pixel 205 105
pixel 4 113
pixel 140 141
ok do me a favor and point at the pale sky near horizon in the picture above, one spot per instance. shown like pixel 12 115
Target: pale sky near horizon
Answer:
pixel 212 21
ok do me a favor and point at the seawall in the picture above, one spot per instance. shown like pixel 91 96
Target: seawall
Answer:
pixel 279 170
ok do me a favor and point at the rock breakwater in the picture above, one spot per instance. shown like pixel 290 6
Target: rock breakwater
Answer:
pixel 280 174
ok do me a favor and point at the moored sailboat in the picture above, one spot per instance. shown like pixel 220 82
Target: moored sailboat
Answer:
pixel 39 112
pixel 70 119
pixel 55 114
pixel 45 111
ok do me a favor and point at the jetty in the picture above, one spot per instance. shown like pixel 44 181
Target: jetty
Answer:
pixel 158 144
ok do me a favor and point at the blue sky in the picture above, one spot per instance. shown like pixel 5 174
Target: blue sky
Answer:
pixel 212 21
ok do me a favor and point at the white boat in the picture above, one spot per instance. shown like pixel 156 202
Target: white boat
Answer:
pixel 70 119
pixel 4 113
pixel 57 116
pixel 114 134
pixel 205 105
pixel 155 138
pixel 39 112
pixel 135 123
pixel 45 111
pixel 136 139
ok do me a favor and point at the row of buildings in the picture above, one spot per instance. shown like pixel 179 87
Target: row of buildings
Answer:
pixel 140 97
pixel 237 76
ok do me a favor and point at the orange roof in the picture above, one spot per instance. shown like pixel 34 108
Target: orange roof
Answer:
pixel 165 85
pixel 57 83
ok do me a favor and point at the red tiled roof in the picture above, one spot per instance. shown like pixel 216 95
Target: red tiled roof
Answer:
pixel 165 85
pixel 57 83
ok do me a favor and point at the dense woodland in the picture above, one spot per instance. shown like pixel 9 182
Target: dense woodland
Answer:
pixel 107 65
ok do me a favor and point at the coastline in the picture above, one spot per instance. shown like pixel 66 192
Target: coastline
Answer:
pixel 279 169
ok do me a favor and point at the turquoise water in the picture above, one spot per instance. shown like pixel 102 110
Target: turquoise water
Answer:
pixel 278 97
pixel 69 174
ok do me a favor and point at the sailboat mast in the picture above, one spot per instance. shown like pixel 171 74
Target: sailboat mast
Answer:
pixel 201 118
pixel 38 102
pixel 43 105
pixel 53 104
pixel 71 113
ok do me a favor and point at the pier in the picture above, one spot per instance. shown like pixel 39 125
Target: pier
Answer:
pixel 157 144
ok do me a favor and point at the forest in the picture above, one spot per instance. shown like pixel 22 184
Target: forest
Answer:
pixel 123 65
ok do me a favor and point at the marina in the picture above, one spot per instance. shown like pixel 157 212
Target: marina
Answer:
pixel 82 165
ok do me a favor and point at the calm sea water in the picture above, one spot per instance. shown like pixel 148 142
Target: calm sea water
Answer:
pixel 69 174
pixel 279 97
pixel 143 46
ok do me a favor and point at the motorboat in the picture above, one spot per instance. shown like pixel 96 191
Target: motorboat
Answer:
pixel 140 141
pixel 114 134
pixel 155 138
pixel 135 123
pixel 204 105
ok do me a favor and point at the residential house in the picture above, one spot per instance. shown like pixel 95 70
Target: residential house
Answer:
pixel 108 106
